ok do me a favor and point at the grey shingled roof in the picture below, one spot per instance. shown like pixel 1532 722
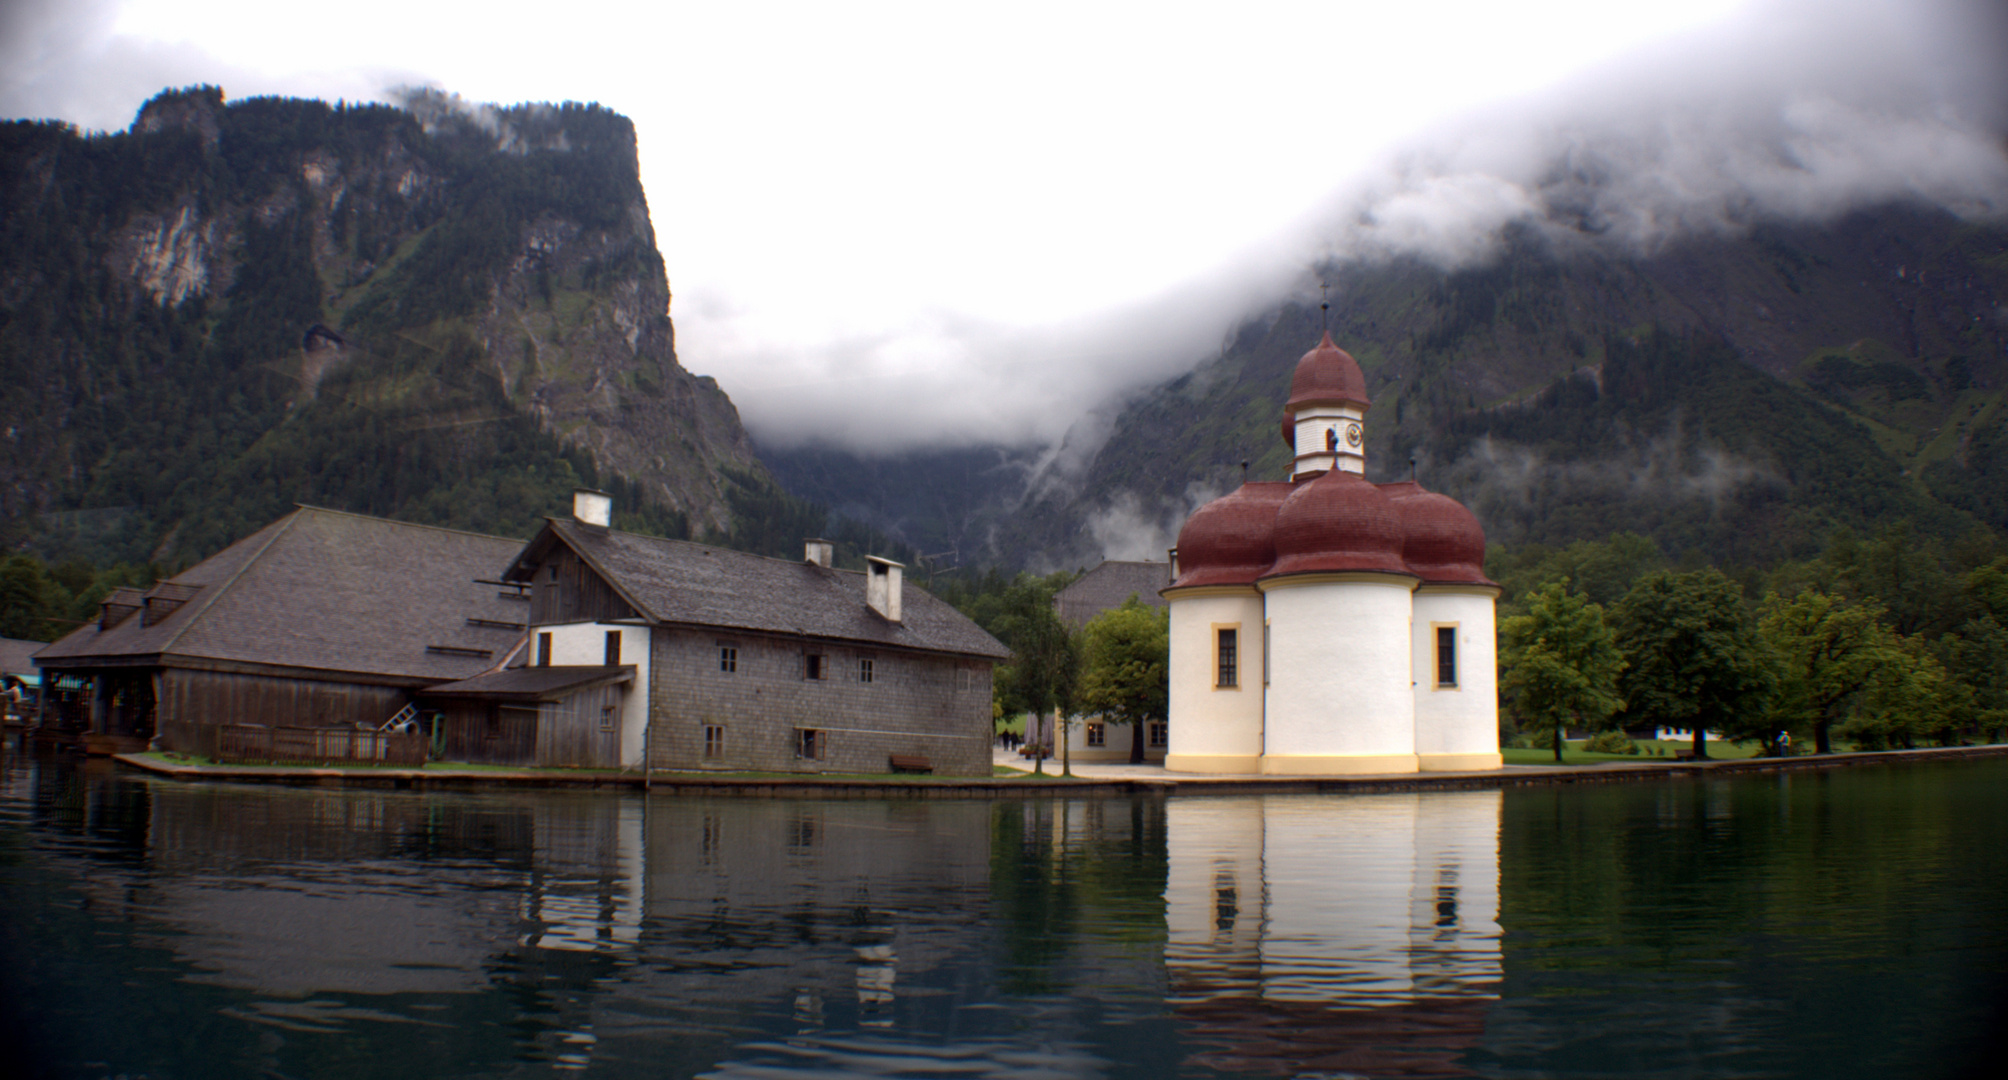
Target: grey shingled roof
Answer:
pixel 683 583
pixel 1107 586
pixel 538 683
pixel 324 590
pixel 15 655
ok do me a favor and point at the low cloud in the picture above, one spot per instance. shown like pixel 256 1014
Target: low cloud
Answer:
pixel 1795 111
pixel 1131 527
pixel 1509 485
pixel 516 129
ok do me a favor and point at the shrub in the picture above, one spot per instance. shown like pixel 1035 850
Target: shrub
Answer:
pixel 1610 742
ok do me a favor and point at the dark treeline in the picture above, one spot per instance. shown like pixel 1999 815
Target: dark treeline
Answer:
pixel 1887 640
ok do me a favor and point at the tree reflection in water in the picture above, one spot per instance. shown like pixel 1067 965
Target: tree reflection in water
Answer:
pixel 1845 924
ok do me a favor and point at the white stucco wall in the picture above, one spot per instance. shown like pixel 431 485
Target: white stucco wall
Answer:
pixel 586 644
pixel 1339 675
pixel 1214 730
pixel 1460 720
pixel 1115 748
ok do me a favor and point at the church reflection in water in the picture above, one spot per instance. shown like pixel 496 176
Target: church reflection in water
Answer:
pixel 1320 935
pixel 1113 937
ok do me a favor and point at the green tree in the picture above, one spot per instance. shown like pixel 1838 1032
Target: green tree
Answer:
pixel 1693 656
pixel 28 598
pixel 1978 655
pixel 1125 656
pixel 1912 696
pixel 1562 662
pixel 1044 672
pixel 1828 653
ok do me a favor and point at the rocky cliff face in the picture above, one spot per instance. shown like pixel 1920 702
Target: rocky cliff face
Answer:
pixel 436 311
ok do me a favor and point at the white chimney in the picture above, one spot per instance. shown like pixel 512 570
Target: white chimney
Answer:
pixel 819 552
pixel 592 507
pixel 883 582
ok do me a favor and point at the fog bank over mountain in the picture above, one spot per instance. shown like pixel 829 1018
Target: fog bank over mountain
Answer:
pixel 1796 113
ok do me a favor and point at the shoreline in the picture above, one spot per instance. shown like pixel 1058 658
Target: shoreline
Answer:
pixel 1108 779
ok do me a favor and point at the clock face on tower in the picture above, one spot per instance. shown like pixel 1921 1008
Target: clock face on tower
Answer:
pixel 1353 435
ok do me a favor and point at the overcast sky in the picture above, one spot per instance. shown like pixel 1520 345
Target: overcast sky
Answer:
pixel 889 225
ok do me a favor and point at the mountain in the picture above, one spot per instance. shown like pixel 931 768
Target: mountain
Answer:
pixel 444 313
pixel 1737 395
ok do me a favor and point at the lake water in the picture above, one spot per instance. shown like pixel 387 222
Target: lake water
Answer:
pixel 1844 923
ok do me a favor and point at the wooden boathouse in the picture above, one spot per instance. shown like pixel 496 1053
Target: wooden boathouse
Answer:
pixel 289 642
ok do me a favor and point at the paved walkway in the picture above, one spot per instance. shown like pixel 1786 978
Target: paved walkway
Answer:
pixel 1087 779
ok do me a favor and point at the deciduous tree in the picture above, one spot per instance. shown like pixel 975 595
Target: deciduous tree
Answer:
pixel 1693 656
pixel 1562 662
pixel 1828 652
pixel 1125 655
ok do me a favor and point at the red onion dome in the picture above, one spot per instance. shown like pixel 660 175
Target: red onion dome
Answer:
pixel 1338 521
pixel 1443 543
pixel 1327 375
pixel 1231 540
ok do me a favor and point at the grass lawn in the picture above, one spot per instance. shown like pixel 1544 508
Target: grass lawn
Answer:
pixel 1650 750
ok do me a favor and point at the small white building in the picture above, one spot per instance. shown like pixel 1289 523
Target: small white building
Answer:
pixel 1329 625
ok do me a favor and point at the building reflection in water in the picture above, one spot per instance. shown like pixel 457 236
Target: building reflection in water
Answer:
pixel 1315 935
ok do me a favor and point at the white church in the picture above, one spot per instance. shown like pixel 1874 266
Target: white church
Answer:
pixel 1329 625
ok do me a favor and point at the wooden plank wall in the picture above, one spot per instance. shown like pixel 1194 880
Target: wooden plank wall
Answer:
pixel 578 594
pixel 482 732
pixel 572 732
pixel 194 703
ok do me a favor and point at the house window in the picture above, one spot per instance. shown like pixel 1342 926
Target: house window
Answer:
pixel 1446 655
pixel 543 650
pixel 714 740
pixel 1159 733
pixel 864 669
pixel 1227 641
pixel 812 666
pixel 1265 654
pixel 962 679
pixel 613 648
pixel 809 744
pixel 608 714
pixel 1098 733
pixel 728 657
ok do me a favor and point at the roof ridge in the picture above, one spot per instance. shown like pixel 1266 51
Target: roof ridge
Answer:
pixel 206 598
pixel 408 524
pixel 716 547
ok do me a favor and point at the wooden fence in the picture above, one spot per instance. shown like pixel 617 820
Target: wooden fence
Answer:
pixel 251 742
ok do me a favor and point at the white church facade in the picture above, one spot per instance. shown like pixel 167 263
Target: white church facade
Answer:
pixel 1328 625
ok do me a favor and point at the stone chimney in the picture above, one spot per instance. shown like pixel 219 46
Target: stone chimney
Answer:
pixel 591 507
pixel 883 582
pixel 819 552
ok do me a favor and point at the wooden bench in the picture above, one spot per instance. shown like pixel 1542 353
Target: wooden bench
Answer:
pixel 1683 755
pixel 914 763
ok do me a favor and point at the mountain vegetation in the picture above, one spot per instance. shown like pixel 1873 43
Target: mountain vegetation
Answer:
pixel 432 312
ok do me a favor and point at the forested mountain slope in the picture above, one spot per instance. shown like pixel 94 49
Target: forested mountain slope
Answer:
pixel 442 314
pixel 1742 395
